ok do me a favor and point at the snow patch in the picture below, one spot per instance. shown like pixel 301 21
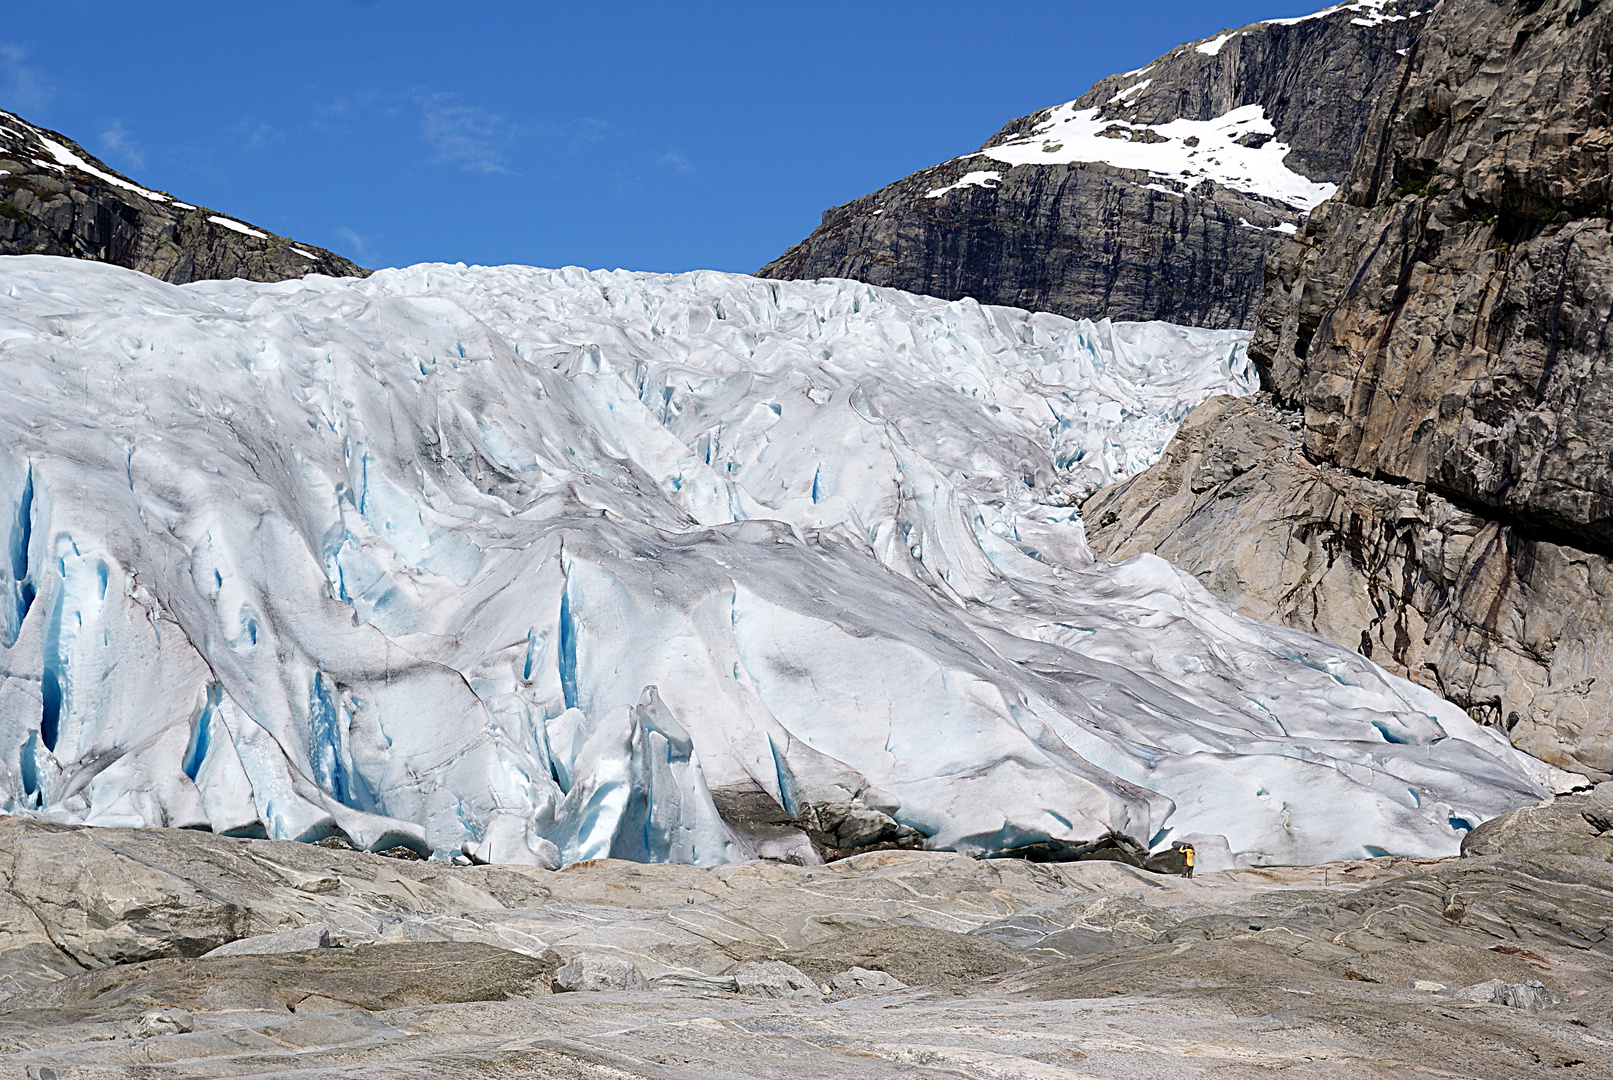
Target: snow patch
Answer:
pixel 1213 47
pixel 236 226
pixel 1371 14
pixel 1187 151
pixel 967 180
pixel 65 158
pixel 1131 91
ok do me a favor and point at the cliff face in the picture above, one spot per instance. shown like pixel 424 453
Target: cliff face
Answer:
pixel 57 199
pixel 1429 479
pixel 1445 322
pixel 1156 195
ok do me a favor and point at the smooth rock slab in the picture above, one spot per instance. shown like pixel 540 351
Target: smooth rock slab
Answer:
pixel 300 939
pixel 366 977
pixel 1231 975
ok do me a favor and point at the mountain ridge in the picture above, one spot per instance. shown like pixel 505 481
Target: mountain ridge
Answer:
pixel 56 198
pixel 1161 207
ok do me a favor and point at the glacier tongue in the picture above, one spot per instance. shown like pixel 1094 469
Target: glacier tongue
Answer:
pixel 528 562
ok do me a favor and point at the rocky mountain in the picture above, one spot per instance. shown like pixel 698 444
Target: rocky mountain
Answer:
pixel 58 199
pixel 1156 195
pixel 1428 479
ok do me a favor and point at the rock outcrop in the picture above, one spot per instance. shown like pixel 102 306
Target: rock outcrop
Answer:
pixel 58 199
pixel 1430 479
pixel 1444 321
pixel 1124 203
pixel 1509 625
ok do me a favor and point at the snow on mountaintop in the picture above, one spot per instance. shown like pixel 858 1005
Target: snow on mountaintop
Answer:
pixel 1233 150
pixel 1228 150
pixel 64 158
pixel 1369 13
pixel 59 199
pixel 534 560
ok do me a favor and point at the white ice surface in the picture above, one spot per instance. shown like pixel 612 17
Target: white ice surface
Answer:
pixel 1186 151
pixel 528 562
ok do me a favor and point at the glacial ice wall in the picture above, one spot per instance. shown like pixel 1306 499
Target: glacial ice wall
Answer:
pixel 536 560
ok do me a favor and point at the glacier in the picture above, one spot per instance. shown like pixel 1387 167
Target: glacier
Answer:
pixel 537 564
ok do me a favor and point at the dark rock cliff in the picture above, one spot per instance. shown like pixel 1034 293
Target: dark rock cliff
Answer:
pixel 1445 320
pixel 58 199
pixel 1086 238
pixel 1431 479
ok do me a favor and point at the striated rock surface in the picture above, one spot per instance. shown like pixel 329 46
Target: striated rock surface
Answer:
pixel 1496 963
pixel 58 199
pixel 1510 626
pixel 1429 478
pixel 1156 195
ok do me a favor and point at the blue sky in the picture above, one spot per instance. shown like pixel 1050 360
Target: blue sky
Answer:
pixel 667 136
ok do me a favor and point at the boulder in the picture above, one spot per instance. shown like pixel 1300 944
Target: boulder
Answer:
pixel 1581 823
pixel 1530 996
pixel 162 1022
pixel 776 979
pixel 593 972
pixel 859 980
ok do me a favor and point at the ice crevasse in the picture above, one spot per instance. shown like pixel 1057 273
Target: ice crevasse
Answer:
pixel 538 561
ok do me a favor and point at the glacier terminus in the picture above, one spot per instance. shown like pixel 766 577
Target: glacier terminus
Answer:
pixel 531 563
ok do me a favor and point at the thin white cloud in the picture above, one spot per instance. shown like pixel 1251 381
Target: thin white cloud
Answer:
pixel 22 86
pixel 467 136
pixel 117 145
pixel 359 244
pixel 576 134
pixel 674 159
pixel 258 136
